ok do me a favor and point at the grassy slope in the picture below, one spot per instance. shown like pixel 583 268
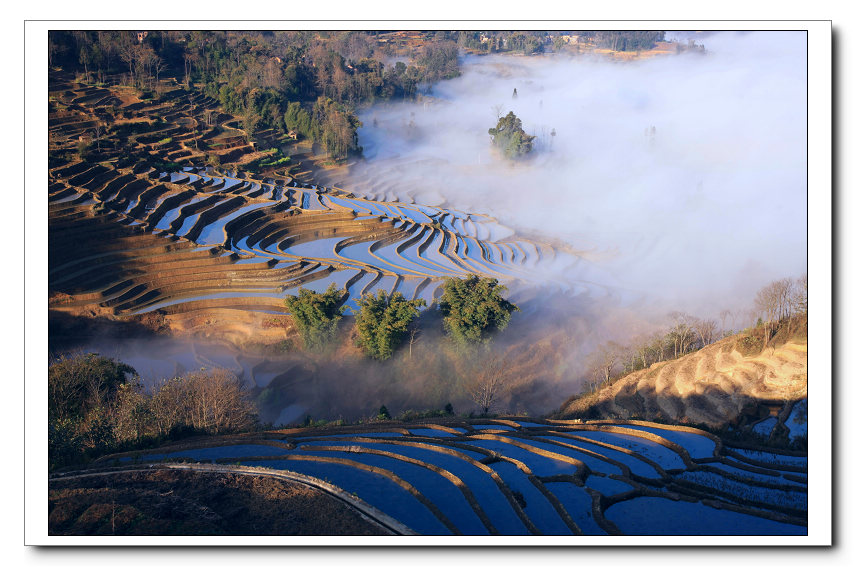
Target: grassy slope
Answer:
pixel 714 386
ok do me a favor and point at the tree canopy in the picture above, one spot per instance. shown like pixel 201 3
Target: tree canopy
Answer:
pixel 508 136
pixel 383 320
pixel 474 309
pixel 316 315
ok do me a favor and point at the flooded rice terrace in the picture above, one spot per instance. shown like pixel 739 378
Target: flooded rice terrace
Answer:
pixel 305 236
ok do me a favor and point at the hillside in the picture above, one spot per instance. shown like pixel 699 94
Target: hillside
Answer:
pixel 721 384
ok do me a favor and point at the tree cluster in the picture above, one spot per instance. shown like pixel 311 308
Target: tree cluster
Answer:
pixel 509 137
pixel 473 309
pixel 97 405
pixel 778 301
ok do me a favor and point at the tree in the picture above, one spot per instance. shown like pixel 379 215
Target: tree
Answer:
pixel 724 315
pixel 474 309
pixel 127 51
pixel 487 382
pixel 383 320
pixel 251 118
pixel 213 401
pixel 773 303
pixel 76 384
pixel 799 300
pixel 508 136
pixel 706 330
pixel 682 333
pixel 316 315
pixel 603 361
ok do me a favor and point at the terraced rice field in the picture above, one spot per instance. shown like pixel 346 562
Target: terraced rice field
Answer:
pixel 532 477
pixel 208 239
pixel 134 239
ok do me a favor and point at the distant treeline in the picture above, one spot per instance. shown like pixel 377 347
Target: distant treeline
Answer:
pixel 532 42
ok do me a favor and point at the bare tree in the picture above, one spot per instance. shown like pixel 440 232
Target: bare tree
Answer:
pixel 127 51
pixel 799 295
pixel 487 382
pixel 604 360
pixel 211 400
pixel 767 304
pixel 497 110
pixel 99 130
pixel 53 48
pixel 413 336
pixel 706 330
pixel 158 65
pixel 725 315
pixel 682 332
pixel 660 342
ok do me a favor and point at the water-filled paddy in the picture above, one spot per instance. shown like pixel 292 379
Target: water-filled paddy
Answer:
pixel 577 503
pixel 435 487
pixel 662 516
pixel 756 494
pixel 540 465
pixel 797 422
pixel 772 459
pixel 593 462
pixel 765 427
pixel 636 465
pixel 775 478
pixel 376 490
pixel 539 510
pixel 697 445
pixel 651 450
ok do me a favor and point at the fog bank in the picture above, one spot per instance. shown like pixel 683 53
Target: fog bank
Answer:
pixel 684 175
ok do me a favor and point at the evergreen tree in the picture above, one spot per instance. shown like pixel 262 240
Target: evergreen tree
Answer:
pixel 382 322
pixel 316 315
pixel 474 309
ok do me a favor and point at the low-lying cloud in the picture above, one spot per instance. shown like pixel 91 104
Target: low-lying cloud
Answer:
pixel 685 174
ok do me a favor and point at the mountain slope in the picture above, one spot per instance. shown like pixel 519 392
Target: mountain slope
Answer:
pixel 715 386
